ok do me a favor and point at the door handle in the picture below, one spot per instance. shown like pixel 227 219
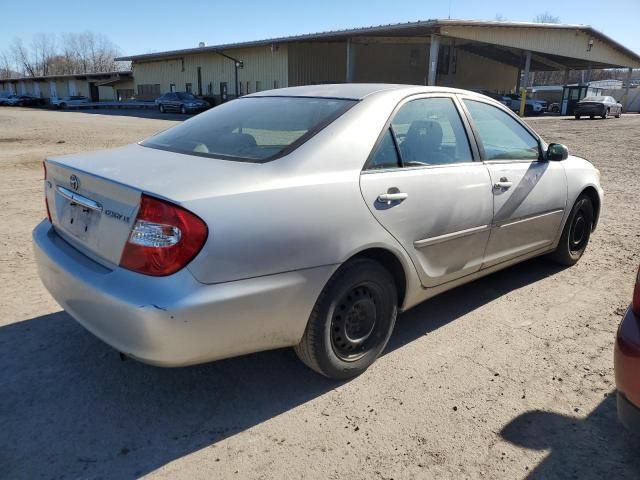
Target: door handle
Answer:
pixel 392 197
pixel 503 184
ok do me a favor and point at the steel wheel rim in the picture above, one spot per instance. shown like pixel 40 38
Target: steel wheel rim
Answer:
pixel 578 235
pixel 357 323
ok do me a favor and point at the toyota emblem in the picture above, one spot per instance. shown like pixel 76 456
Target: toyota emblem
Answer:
pixel 74 182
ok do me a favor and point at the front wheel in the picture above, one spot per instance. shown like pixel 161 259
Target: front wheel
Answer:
pixel 351 321
pixel 605 114
pixel 576 233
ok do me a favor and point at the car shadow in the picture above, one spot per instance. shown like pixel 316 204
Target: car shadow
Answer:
pixel 70 407
pixel 595 447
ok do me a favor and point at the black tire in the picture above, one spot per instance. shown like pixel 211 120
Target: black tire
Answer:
pixel 183 110
pixel 577 117
pixel 161 108
pixel 619 114
pixel 576 233
pixel 351 321
pixel 606 114
pixel 63 106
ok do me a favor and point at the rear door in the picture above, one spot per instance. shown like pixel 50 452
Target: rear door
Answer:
pixel 424 187
pixel 529 193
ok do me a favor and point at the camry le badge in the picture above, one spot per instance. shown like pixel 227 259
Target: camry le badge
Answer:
pixel 74 182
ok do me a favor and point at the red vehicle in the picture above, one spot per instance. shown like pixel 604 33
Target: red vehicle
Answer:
pixel 627 363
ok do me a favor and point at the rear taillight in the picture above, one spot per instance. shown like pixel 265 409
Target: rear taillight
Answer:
pixel 635 303
pixel 164 238
pixel 46 199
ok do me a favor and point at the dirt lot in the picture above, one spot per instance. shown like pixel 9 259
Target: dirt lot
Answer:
pixel 508 377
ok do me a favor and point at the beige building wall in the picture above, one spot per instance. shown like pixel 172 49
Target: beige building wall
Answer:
pixel 476 72
pixel 316 62
pixel 106 93
pixel 264 68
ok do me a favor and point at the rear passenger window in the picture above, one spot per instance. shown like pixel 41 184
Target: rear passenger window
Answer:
pixel 502 137
pixel 386 155
pixel 429 131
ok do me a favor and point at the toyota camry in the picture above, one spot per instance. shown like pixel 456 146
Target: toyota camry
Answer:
pixel 305 217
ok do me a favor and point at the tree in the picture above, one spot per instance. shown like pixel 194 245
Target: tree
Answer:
pixel 69 53
pixel 546 17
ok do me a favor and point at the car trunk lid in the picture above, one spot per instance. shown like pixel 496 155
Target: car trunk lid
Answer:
pixel 94 214
pixel 94 197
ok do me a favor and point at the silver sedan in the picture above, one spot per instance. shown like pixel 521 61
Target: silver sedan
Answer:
pixel 305 217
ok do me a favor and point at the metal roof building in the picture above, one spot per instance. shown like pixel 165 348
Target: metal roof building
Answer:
pixel 97 86
pixel 458 53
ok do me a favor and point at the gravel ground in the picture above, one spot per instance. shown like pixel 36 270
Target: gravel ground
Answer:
pixel 508 377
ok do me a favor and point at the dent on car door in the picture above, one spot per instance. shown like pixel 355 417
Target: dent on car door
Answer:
pixel 529 193
pixel 423 186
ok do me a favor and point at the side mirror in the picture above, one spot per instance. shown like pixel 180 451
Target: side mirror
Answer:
pixel 557 151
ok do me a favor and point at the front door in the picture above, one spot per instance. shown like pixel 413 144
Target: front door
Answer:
pixel 424 187
pixel 529 193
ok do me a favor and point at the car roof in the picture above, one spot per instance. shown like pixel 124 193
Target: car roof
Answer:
pixel 355 91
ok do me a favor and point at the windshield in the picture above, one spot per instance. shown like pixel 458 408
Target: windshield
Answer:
pixel 594 99
pixel 185 96
pixel 253 129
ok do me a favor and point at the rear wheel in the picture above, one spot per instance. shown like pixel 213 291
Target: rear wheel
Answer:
pixel 351 321
pixel 63 105
pixel 576 232
pixel 619 113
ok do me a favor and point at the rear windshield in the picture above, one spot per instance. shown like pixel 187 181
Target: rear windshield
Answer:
pixel 594 99
pixel 251 129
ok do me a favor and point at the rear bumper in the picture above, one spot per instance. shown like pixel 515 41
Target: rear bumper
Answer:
pixel 589 111
pixel 627 370
pixel 176 320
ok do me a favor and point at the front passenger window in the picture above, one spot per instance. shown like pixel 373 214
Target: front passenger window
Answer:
pixel 502 137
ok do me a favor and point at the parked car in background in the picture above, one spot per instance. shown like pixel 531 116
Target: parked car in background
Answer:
pixel 306 217
pixel 597 106
pixel 64 102
pixel 531 107
pixel 183 102
pixel 554 108
pixel 6 97
pixel 627 363
pixel 23 101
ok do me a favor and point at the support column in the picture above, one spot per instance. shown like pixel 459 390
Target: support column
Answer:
pixel 433 59
pixel 351 61
pixel 625 103
pixel 452 47
pixel 527 68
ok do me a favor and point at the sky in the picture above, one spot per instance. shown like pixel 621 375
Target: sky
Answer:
pixel 144 26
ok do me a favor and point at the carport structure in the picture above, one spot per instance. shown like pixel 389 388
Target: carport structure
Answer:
pixel 475 54
pixel 480 55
